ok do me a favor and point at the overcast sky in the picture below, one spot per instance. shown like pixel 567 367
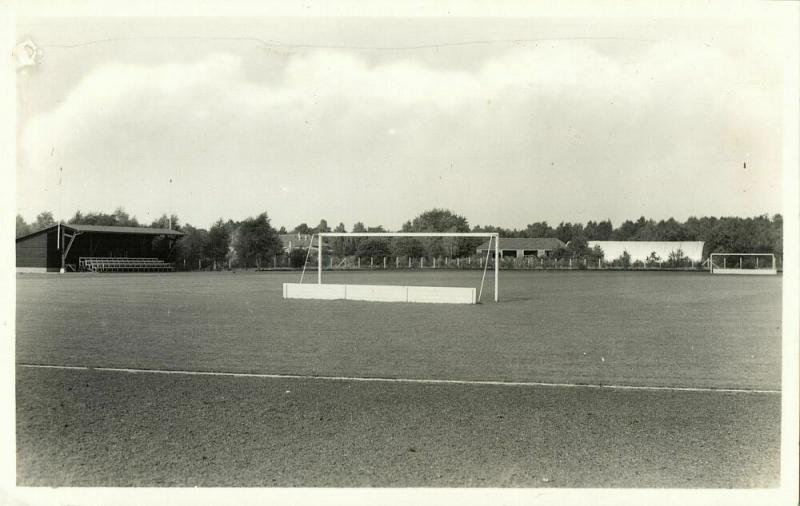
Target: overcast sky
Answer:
pixel 506 122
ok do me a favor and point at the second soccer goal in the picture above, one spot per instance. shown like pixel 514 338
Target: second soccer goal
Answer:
pixel 398 293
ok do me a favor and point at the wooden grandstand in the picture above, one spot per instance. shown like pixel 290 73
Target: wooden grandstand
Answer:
pixel 71 247
pixel 111 264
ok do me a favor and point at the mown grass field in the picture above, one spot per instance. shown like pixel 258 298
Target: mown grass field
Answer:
pixel 638 329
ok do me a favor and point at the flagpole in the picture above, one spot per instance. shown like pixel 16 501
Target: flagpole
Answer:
pixel 170 203
pixel 58 237
pixel 60 193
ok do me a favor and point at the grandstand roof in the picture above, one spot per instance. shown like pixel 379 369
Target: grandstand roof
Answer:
pixel 106 229
pixel 529 243
pixel 123 230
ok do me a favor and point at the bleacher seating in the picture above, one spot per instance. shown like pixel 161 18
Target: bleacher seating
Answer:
pixel 123 264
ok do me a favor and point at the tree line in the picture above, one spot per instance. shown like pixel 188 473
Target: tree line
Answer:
pixel 254 242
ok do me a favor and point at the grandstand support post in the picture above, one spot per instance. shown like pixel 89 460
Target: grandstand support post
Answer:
pixel 59 243
pixel 65 248
pixel 319 260
pixel 496 267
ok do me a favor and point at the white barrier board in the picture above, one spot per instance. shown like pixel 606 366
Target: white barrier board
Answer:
pixel 300 291
pixel 381 293
pixel 753 272
pixel 441 294
pixel 378 293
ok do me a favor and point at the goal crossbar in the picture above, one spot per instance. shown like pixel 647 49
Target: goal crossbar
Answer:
pixel 491 235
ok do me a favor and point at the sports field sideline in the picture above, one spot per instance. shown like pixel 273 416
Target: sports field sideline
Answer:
pixel 701 352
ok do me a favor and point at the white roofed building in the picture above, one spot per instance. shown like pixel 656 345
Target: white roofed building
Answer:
pixel 640 251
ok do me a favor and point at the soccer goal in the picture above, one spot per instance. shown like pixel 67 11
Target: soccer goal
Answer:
pixel 397 293
pixel 742 263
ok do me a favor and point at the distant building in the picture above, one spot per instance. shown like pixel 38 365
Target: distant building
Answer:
pixel 640 251
pixel 303 241
pixel 540 247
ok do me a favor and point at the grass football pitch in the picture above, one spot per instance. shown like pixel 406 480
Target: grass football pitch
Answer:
pixel 709 346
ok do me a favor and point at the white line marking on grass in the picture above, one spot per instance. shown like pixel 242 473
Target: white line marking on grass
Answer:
pixel 400 380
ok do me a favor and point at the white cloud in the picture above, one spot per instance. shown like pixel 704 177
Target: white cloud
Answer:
pixel 555 132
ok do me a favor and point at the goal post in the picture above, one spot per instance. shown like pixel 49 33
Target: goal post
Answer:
pixel 742 263
pixel 396 293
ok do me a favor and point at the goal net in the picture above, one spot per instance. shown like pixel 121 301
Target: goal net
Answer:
pixel 742 263
pixel 395 293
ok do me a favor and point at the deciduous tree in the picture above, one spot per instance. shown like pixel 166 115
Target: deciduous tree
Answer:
pixel 22 227
pixel 219 241
pixel 256 242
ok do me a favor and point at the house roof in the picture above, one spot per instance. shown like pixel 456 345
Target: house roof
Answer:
pixel 523 243
pixel 106 229
pixel 302 241
pixel 297 240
